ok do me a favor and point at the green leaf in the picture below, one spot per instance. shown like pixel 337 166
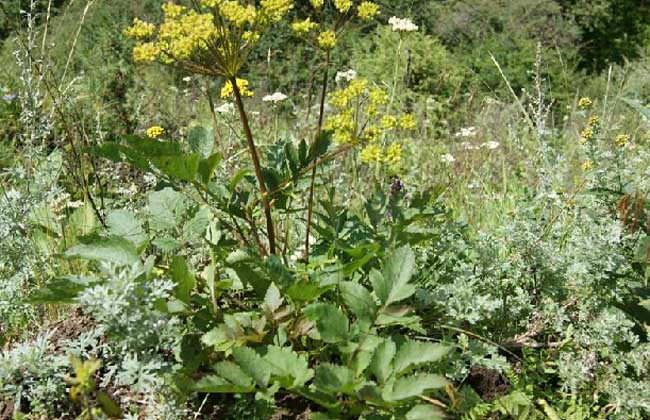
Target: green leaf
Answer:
pixel 330 321
pixel 83 220
pixel 166 209
pixel 291 369
pixel 381 365
pixel 412 386
pixel 108 406
pixel 196 227
pixel 425 412
pixel 415 353
pixel 48 171
pixel 392 286
pixel 183 278
pixel 125 224
pixel 253 364
pixel 183 167
pixel 217 385
pixel 42 215
pixel 113 249
pixel 272 298
pixel 638 107
pixel 167 243
pixel 235 375
pixel 208 166
pixel 331 378
pixel 358 299
pixel 201 141
pixel 304 291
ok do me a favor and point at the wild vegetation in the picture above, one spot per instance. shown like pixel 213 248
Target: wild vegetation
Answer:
pixel 324 209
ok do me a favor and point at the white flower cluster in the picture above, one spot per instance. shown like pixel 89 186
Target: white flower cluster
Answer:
pixel 402 24
pixel 275 98
pixel 347 76
pixel 466 132
pixel 226 108
pixel 448 158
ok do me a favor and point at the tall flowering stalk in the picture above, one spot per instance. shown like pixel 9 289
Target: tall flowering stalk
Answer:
pixel 213 38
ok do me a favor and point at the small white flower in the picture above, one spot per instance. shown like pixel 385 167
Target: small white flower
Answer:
pixel 468 146
pixel 448 158
pixel 226 108
pixel 187 79
pixel 466 132
pixel 491 145
pixel 348 76
pixel 275 98
pixel 402 25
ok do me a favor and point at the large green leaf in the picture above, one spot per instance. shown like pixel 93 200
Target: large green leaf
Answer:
pixel 125 224
pixel 288 367
pixel 334 379
pixel 61 290
pixel 393 284
pixel 381 365
pixel 415 353
pixel 412 386
pixel 425 412
pixel 330 321
pixel 113 249
pixel 253 364
pixel 166 209
pixel 358 299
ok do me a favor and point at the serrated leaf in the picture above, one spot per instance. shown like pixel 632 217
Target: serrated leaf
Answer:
pixel 291 369
pixel 253 364
pixel 166 209
pixel 358 299
pixel 218 385
pixel 125 224
pixel 412 386
pixel 330 321
pixel 393 284
pixel 113 249
pixel 331 378
pixel 381 365
pixel 425 412
pixel 201 141
pixel 235 375
pixel 304 291
pixel 415 353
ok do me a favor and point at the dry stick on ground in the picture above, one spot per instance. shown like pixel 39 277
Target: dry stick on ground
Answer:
pixel 321 112
pixel 270 230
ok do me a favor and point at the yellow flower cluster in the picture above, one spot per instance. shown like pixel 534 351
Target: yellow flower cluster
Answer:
pixel 211 40
pixel 585 103
pixel 343 5
pixel 155 131
pixel 622 139
pixel 327 40
pixel 586 135
pixel 594 121
pixel 227 89
pixel 360 122
pixel 301 27
pixel 586 165
pixel 140 30
pixel 367 10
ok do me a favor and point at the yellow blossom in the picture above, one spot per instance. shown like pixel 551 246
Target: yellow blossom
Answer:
pixel 586 165
pixel 594 121
pixel 276 9
pixel 622 139
pixel 155 131
pixel 242 84
pixel 327 40
pixel 237 14
pixel 407 121
pixel 371 133
pixel 371 153
pixel 140 29
pixel 393 154
pixel 303 26
pixel 388 122
pixel 146 52
pixel 317 4
pixel 343 5
pixel 585 103
pixel 586 135
pixel 367 10
pixel 172 10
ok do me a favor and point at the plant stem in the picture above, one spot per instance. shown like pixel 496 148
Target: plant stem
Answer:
pixel 270 230
pixel 319 127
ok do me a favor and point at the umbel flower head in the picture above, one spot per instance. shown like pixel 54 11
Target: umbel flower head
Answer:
pixel 213 38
